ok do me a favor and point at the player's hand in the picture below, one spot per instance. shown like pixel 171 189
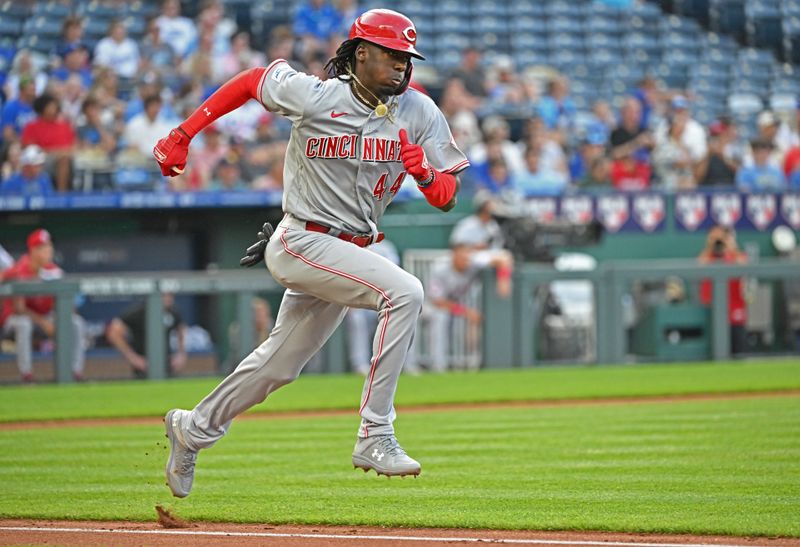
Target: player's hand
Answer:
pixel 138 362
pixel 177 361
pixel 171 151
pixel 255 252
pixel 414 159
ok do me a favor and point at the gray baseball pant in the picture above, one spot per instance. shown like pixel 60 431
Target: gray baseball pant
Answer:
pixel 323 276
pixel 22 328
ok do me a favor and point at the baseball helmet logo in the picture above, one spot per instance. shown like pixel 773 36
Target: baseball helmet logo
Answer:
pixel 388 29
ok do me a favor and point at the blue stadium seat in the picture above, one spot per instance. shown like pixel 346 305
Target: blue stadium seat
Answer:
pixel 564 58
pixel 490 24
pixel 642 57
pixel 10 27
pixel 526 7
pixel 566 41
pixel 43 26
pixel 564 25
pixel 744 104
pixel 452 41
pixel 492 41
pixel 764 27
pixel 728 17
pixel 640 40
pixel 746 85
pixel 604 25
pixel 99 9
pixel 528 24
pixel 597 40
pixel 142 9
pixel 678 40
pixel 451 7
pixel 51 9
pixel 12 9
pixel 712 72
pixel 564 8
pixel 529 40
pixel 528 57
pixel 36 43
pixel 452 23
pixel 783 102
pixel 489 8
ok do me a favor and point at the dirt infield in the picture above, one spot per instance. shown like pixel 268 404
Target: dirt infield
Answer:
pixel 278 415
pixel 30 532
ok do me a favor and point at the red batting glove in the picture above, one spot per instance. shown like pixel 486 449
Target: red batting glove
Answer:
pixel 171 151
pixel 414 159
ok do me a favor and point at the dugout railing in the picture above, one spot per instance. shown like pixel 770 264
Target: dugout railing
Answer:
pixel 508 324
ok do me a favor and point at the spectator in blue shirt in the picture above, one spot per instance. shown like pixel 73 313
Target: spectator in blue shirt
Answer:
pixel 315 22
pixel 537 180
pixel 75 61
pixel 18 112
pixel 761 176
pixel 557 109
pixel 31 180
pixel 593 145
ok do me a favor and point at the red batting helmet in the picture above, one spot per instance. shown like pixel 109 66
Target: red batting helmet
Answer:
pixel 387 28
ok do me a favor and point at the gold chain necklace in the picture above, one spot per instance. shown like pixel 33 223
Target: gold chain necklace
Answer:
pixel 381 110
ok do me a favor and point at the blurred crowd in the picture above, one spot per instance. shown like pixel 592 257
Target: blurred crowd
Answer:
pixel 649 141
pixel 86 118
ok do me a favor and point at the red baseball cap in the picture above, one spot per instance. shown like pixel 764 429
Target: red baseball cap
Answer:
pixel 38 237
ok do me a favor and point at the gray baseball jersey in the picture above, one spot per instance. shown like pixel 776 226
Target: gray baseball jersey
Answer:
pixel 473 231
pixel 445 282
pixel 343 162
pixel 342 169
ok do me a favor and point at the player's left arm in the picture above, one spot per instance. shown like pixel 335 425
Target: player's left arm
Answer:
pixel 433 159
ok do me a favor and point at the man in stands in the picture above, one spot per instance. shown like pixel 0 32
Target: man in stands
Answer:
pixel 25 318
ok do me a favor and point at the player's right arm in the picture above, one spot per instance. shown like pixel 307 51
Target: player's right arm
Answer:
pixel 278 87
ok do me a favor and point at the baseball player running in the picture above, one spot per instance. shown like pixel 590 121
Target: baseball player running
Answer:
pixel 354 138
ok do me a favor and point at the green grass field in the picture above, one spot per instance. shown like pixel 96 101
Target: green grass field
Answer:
pixel 715 466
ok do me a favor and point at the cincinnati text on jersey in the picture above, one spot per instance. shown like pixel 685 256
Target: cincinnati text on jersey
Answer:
pixel 373 149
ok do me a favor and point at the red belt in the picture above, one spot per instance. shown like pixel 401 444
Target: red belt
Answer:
pixel 356 239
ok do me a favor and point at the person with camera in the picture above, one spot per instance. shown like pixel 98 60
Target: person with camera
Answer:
pixel 721 246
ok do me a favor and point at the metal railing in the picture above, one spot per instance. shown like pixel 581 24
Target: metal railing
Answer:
pixel 151 285
pixel 508 324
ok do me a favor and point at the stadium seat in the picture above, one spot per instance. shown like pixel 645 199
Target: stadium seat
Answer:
pixel 532 8
pixel 728 17
pixel 604 25
pixel 10 27
pixel 489 8
pixel 43 26
pixel 744 104
pixel 51 9
pixel 525 24
pixel 783 102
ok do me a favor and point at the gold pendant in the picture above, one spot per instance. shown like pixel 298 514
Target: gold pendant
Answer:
pixel 381 110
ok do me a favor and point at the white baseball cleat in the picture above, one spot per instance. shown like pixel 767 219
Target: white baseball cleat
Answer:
pixel 385 455
pixel 180 465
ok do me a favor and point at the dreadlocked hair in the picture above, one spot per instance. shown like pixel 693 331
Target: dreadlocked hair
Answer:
pixel 341 65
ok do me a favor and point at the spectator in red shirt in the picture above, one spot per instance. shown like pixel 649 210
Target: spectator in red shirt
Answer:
pixel 630 174
pixel 721 246
pixel 25 317
pixel 55 135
